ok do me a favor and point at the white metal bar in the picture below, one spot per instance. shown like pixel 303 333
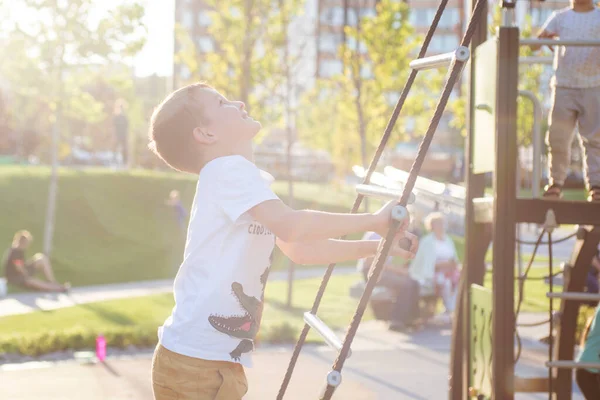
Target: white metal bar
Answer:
pixel 536 60
pixel 382 193
pixel 441 60
pixel 574 296
pixel 571 364
pixel 553 42
pixel 536 175
pixel 326 333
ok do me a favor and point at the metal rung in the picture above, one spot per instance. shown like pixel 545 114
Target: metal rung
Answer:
pixel 441 60
pixel 553 42
pixel 571 364
pixel 536 60
pixel 574 296
pixel 382 193
pixel 325 332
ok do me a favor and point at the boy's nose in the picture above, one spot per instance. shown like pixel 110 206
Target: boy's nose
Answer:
pixel 242 105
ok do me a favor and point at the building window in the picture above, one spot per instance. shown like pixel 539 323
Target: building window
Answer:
pixel 329 42
pixel 204 19
pixel 443 43
pixel 366 72
pixel 185 73
pixel 449 18
pixel 329 68
pixel 362 48
pixel 368 12
pixel 205 44
pixel 335 16
pixel 419 17
pixel 187 20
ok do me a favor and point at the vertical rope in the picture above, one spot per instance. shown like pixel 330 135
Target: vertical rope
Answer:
pixel 367 179
pixel 454 75
pixel 550 336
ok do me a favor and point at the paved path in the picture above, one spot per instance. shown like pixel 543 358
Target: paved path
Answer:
pixel 23 303
pixel 384 365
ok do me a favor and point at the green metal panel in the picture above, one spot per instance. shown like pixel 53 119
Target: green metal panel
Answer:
pixel 484 113
pixel 480 364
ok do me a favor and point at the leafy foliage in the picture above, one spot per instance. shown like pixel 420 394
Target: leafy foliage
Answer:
pixel 351 110
pixel 58 53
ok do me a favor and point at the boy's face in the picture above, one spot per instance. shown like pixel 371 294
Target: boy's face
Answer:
pixel 227 120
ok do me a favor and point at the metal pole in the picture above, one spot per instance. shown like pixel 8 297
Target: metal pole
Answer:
pixel 53 184
pixel 289 136
pixel 474 268
pixel 554 42
pixel 441 60
pixel 536 60
pixel 537 142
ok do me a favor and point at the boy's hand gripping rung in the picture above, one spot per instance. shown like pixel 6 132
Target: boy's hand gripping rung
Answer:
pixel 326 333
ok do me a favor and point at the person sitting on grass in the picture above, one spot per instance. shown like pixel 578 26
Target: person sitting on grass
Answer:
pixel 21 273
pixel 235 222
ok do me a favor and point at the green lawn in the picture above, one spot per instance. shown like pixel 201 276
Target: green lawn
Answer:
pixel 113 226
pixel 139 317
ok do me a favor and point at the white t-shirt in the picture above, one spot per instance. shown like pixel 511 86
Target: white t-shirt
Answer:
pixel 576 67
pixel 444 250
pixel 219 288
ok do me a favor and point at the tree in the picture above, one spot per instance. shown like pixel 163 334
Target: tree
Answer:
pixel 59 40
pixel 529 79
pixel 347 114
pixel 246 55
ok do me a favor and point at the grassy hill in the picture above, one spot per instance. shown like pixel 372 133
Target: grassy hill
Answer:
pixel 114 226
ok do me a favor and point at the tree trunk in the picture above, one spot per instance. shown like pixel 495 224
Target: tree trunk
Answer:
pixel 357 78
pixel 53 185
pixel 318 40
pixel 247 50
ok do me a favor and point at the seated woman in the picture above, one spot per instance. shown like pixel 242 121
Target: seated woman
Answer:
pixel 21 273
pixel 394 276
pixel 435 265
pixel 588 379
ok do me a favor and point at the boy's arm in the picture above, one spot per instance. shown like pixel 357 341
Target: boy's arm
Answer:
pixel 306 225
pixel 543 35
pixel 336 251
pixel 548 31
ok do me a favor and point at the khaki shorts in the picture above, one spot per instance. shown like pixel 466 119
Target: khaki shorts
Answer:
pixel 175 376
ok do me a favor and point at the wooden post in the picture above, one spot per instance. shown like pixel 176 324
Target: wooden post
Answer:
pixel 503 321
pixel 476 243
pixel 585 249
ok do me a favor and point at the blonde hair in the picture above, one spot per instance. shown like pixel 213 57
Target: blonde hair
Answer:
pixel 433 218
pixel 19 236
pixel 171 127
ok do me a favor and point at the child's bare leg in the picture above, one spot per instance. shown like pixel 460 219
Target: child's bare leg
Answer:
pixel 41 263
pixel 37 284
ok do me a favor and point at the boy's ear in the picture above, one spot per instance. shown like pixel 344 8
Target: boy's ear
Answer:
pixel 203 135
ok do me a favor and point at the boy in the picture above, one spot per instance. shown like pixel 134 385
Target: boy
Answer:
pixel 235 222
pixel 575 95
